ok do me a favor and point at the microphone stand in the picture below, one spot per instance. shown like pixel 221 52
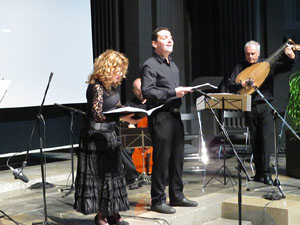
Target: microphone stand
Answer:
pixel 72 112
pixel 241 167
pixel 40 118
pixel 276 114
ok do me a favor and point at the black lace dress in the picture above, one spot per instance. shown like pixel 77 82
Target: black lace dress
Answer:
pixel 100 184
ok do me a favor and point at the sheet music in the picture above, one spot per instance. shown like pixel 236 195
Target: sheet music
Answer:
pixel 139 113
pixel 4 84
pixel 206 86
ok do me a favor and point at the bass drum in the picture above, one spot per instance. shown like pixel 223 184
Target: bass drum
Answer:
pixel 143 157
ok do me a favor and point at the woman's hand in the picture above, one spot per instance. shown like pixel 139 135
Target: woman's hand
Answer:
pixel 128 118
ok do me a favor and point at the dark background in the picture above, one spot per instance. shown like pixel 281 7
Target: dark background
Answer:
pixel 209 37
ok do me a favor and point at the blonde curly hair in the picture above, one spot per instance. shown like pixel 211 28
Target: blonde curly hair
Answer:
pixel 106 66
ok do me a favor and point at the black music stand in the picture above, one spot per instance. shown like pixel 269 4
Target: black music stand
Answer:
pixel 72 115
pixel 224 103
pixel 241 167
pixel 138 138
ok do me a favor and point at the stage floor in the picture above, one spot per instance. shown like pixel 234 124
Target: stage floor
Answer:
pixel 26 206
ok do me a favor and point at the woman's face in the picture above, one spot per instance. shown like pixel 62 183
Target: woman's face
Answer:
pixel 117 75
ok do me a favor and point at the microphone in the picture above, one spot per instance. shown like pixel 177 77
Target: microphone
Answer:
pixel 249 82
pixel 70 109
pixel 18 173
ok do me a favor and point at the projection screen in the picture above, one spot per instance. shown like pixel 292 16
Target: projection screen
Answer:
pixel 40 37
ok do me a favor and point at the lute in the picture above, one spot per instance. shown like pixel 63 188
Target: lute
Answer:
pixel 259 72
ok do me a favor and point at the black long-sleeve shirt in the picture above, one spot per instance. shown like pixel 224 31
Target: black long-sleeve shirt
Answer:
pixel 267 87
pixel 159 80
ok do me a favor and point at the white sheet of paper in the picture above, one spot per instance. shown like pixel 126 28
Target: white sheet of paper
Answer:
pixel 206 86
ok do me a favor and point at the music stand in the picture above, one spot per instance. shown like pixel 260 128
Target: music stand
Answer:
pixel 224 101
pixel 241 167
pixel 72 115
pixel 138 138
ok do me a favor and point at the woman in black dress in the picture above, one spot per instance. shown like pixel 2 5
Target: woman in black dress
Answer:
pixel 100 181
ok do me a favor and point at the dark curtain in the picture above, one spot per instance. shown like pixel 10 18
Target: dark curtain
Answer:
pixel 106 26
pixel 107 29
pixel 219 30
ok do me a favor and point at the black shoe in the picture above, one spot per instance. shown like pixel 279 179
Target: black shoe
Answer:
pixel 96 220
pixel 268 180
pixel 115 220
pixel 163 208
pixel 185 203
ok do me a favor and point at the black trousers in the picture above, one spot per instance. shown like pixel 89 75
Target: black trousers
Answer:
pixel 261 126
pixel 167 135
pixel 130 169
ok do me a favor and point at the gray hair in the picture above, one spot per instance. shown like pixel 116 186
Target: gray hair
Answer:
pixel 253 44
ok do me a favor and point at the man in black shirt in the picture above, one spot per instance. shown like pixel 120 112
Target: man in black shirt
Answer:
pixel 260 120
pixel 160 85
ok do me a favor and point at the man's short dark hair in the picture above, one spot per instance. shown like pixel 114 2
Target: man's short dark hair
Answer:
pixel 154 33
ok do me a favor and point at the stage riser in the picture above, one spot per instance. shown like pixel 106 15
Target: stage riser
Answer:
pixel 279 212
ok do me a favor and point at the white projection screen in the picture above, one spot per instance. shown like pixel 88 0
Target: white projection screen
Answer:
pixel 38 37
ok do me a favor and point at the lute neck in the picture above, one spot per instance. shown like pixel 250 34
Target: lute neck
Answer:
pixel 277 54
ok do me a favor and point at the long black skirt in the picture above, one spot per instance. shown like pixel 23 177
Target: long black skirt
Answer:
pixel 100 184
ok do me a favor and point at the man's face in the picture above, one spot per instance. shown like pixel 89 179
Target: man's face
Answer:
pixel 164 43
pixel 251 54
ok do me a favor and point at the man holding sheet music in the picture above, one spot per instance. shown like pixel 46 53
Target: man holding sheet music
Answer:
pixel 160 85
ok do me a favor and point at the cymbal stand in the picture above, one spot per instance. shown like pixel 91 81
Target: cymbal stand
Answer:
pixel 143 177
